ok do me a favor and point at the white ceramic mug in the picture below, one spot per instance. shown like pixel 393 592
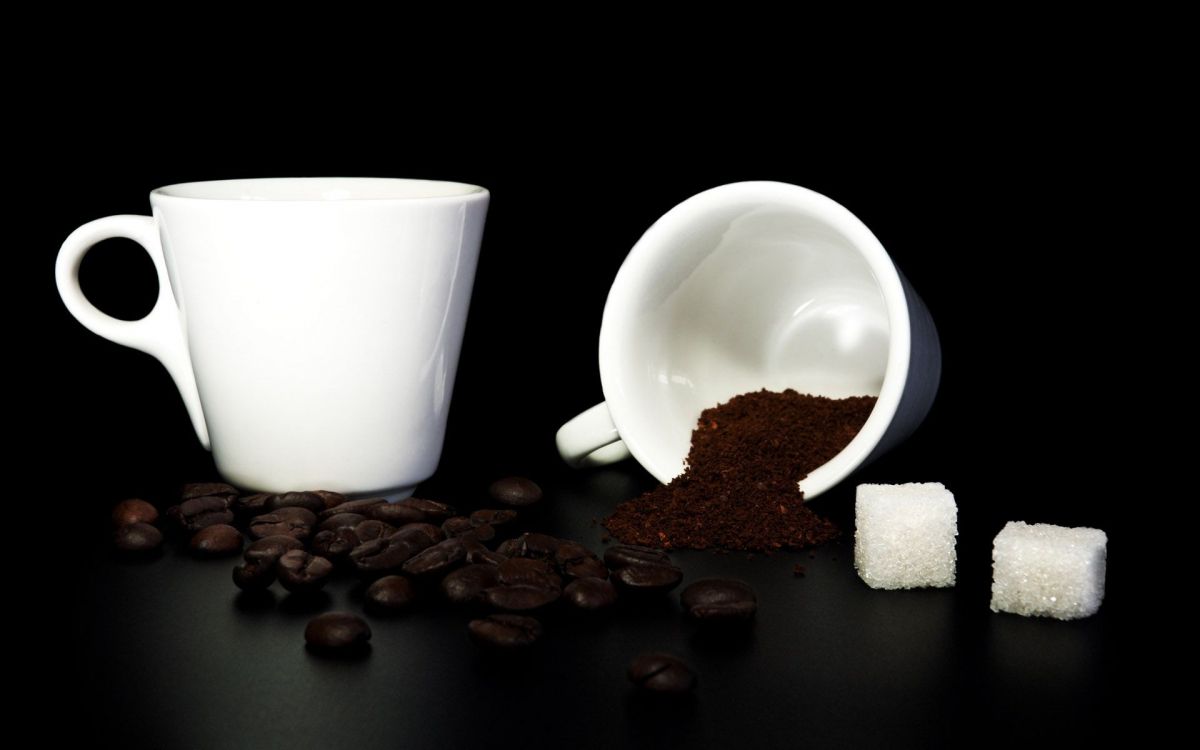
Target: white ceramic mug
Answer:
pixel 312 325
pixel 748 286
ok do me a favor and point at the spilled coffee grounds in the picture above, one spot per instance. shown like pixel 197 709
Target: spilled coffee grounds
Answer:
pixel 738 490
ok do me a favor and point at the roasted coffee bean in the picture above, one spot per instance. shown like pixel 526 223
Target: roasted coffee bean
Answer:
pixel 335 544
pixel 623 555
pixel 330 499
pixel 337 632
pixel 521 598
pixel 468 584
pixel 369 530
pixel 307 500
pixel 438 560
pixel 522 571
pixel 434 533
pixel 293 522
pixel 207 489
pixel 484 533
pixel 505 631
pixel 196 513
pixel 577 561
pixel 216 541
pixel 137 538
pixel 649 579
pixel 254 576
pixel 530 545
pixel 341 520
pixel 477 553
pixel 394 513
pixel 382 556
pixel 590 594
pixel 517 492
pixel 354 506
pixel 457 526
pixel 492 517
pixel 133 511
pixel 249 506
pixel 390 594
pixel 719 600
pixel 269 549
pixel 300 572
pixel 661 673
pixel 432 510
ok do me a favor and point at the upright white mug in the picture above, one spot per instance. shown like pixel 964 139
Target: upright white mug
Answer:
pixel 312 325
pixel 748 286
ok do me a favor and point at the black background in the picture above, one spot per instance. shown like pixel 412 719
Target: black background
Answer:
pixel 996 213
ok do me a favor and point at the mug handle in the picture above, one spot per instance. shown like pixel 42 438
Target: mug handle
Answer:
pixel 591 439
pixel 160 333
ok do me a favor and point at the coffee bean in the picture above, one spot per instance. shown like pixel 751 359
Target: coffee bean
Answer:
pixel 577 561
pixel 493 518
pixel 648 579
pixel 517 492
pixel 382 556
pixel 293 522
pixel 330 499
pixel 340 520
pixel 208 489
pixel 521 598
pixel 307 500
pixel 457 526
pixel 623 555
pixel 335 545
pixel 198 512
pixel 521 571
pixel 337 632
pixel 468 584
pixel 477 553
pixel 484 533
pixel 249 506
pixel 216 541
pixel 134 511
pixel 137 538
pixel 719 600
pixel 530 545
pixel 590 594
pixel 269 549
pixel 395 513
pixel 661 673
pixel 300 572
pixel 434 533
pixel 505 631
pixel 254 576
pixel 437 560
pixel 390 594
pixel 431 510
pixel 369 530
pixel 354 506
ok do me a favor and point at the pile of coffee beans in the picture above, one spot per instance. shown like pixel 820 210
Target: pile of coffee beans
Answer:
pixel 417 550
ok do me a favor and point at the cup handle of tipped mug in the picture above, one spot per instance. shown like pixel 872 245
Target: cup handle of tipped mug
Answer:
pixel 591 439
pixel 160 333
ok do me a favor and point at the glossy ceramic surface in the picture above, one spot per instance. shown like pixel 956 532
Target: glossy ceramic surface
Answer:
pixel 313 325
pixel 748 286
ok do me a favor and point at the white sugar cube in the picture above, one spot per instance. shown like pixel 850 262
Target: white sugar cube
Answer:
pixel 904 535
pixel 1048 571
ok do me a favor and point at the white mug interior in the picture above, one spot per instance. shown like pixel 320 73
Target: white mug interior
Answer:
pixel 748 286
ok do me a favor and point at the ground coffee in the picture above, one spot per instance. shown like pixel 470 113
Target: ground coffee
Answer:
pixel 738 490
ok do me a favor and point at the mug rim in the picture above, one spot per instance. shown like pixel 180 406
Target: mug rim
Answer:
pixel 317 190
pixel 615 319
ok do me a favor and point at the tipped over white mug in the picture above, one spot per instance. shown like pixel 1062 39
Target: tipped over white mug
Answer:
pixel 312 325
pixel 748 286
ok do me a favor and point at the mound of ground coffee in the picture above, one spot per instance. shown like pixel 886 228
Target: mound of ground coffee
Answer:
pixel 738 490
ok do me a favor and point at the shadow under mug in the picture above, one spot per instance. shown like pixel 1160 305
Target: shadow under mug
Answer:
pixel 748 286
pixel 312 325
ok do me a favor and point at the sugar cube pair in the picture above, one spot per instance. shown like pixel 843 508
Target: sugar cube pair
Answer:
pixel 905 538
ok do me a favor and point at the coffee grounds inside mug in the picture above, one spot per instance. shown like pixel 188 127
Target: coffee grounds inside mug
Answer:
pixel 739 487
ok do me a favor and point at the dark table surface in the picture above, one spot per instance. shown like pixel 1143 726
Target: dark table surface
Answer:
pixel 997 235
